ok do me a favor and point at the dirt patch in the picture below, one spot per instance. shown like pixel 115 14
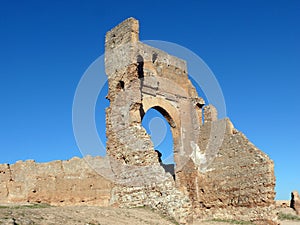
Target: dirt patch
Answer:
pixel 93 215
pixel 72 215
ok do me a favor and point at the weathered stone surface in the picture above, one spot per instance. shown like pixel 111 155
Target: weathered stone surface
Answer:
pixel 58 183
pixel 217 168
pixel 219 173
pixel 295 201
pixel 283 203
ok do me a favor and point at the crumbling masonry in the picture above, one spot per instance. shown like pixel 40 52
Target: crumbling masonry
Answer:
pixel 236 182
pixel 218 172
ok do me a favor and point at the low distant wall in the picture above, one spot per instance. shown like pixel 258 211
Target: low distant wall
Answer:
pixel 57 183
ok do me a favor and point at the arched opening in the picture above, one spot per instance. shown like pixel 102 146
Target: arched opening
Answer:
pixel 158 124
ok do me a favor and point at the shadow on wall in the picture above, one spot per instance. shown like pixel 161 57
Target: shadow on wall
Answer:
pixel 169 168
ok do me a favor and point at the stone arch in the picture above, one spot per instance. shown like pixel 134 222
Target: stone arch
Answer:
pixel 171 114
pixel 166 115
pixel 164 107
pixel 154 79
pixel 161 137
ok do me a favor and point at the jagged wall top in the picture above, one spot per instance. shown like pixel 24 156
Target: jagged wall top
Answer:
pixel 122 48
pixel 125 32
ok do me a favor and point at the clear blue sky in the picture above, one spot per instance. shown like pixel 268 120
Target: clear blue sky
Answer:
pixel 252 46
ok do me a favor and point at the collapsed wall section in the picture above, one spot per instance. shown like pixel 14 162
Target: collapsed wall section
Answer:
pixel 238 183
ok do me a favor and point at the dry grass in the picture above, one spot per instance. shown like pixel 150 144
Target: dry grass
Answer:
pixel 233 221
pixel 285 216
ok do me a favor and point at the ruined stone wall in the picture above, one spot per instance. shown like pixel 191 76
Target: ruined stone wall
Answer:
pixel 219 173
pixel 295 202
pixel 136 84
pixel 238 184
pixel 217 168
pixel 58 183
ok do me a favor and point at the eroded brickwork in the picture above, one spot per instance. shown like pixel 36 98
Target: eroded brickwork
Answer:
pixel 68 182
pixel 219 173
pixel 217 168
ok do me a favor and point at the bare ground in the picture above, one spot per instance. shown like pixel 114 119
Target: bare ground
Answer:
pixel 90 215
